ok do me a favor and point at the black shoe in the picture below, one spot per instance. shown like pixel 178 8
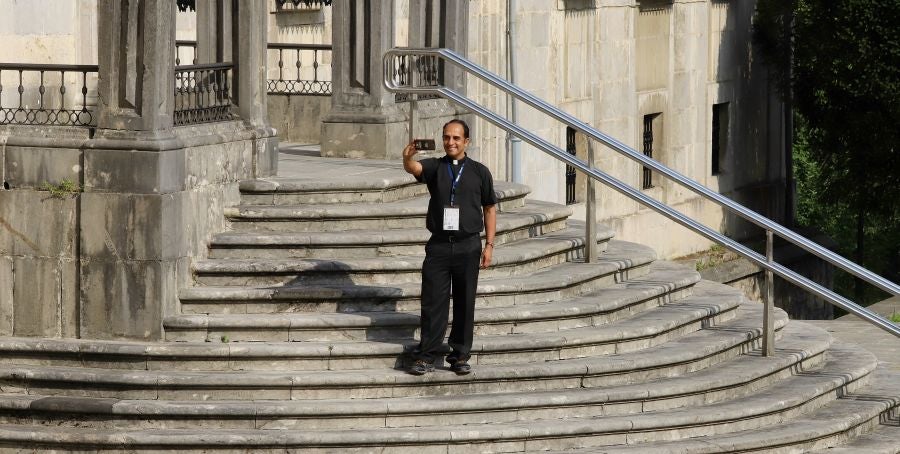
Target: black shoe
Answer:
pixel 452 358
pixel 460 366
pixel 421 367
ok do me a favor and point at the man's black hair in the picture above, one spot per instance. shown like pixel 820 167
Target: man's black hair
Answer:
pixel 461 123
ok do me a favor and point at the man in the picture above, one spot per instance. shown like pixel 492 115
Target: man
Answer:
pixel 462 204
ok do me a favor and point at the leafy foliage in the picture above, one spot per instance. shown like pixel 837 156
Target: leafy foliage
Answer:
pixel 66 188
pixel 845 83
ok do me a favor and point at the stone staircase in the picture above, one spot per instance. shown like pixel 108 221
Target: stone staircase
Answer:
pixel 294 338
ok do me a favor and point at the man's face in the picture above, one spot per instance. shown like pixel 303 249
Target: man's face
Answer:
pixel 454 142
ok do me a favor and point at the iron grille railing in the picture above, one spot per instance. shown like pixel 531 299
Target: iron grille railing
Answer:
pixel 281 5
pixel 203 93
pixel 648 151
pixel 40 94
pixel 570 170
pixel 302 69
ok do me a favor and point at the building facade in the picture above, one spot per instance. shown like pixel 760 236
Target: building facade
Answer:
pixel 676 80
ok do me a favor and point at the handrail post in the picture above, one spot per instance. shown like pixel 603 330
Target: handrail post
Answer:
pixel 413 99
pixel 412 115
pixel 769 304
pixel 590 215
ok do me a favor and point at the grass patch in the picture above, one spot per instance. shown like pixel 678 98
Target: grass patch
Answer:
pixel 66 188
pixel 895 317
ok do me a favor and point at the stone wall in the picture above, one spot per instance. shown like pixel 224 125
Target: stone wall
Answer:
pixel 39 237
pixel 799 304
pixel 106 263
pixel 610 63
pixel 298 118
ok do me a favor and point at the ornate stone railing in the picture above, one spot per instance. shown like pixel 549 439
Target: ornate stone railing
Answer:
pixel 44 94
pixel 203 93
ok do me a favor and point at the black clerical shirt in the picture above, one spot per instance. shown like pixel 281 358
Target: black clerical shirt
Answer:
pixel 474 191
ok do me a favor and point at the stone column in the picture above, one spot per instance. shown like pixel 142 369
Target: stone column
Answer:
pixel 250 92
pixel 456 30
pixel 364 121
pixel 136 44
pixel 210 33
pixel 441 23
pixel 128 220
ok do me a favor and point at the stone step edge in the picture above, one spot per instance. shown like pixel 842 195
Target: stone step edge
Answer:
pixel 878 435
pixel 819 432
pixel 732 337
pixel 663 280
pixel 805 353
pixel 503 189
pixel 558 277
pixel 398 263
pixel 645 325
pixel 416 206
pixel 709 419
pixel 538 225
pixel 357 239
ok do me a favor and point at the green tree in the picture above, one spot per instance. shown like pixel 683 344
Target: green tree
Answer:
pixel 841 61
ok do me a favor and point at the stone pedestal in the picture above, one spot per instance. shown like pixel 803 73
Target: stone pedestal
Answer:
pixel 364 121
pixel 153 194
pixel 249 50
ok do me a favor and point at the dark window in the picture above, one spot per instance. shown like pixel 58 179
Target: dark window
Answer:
pixel 719 136
pixel 647 140
pixel 570 171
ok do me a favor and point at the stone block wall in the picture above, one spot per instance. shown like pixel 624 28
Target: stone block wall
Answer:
pixel 609 63
pixel 108 262
pixel 298 118
pixel 39 234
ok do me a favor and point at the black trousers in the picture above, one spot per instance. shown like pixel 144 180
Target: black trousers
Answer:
pixel 450 262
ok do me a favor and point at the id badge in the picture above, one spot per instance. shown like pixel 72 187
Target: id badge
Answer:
pixel 451 218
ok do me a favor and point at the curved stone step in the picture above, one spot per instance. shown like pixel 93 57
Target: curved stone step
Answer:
pixel 788 400
pixel 398 326
pixel 850 416
pixel 618 263
pixel 800 351
pixel 542 288
pixel 665 283
pixel 336 180
pixel 517 259
pixel 340 217
pixel 311 371
pixel 537 220
pixel 380 182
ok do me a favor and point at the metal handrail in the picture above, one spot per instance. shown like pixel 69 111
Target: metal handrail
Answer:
pixel 765 262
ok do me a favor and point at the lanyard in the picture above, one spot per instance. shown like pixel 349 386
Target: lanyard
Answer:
pixel 454 182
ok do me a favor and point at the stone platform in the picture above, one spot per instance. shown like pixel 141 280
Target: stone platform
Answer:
pixel 295 332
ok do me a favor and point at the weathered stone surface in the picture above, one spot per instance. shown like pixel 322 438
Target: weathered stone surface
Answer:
pixel 377 140
pixel 31 167
pixel 126 298
pixel 34 224
pixel 7 295
pixel 297 118
pixel 135 171
pixel 38 293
